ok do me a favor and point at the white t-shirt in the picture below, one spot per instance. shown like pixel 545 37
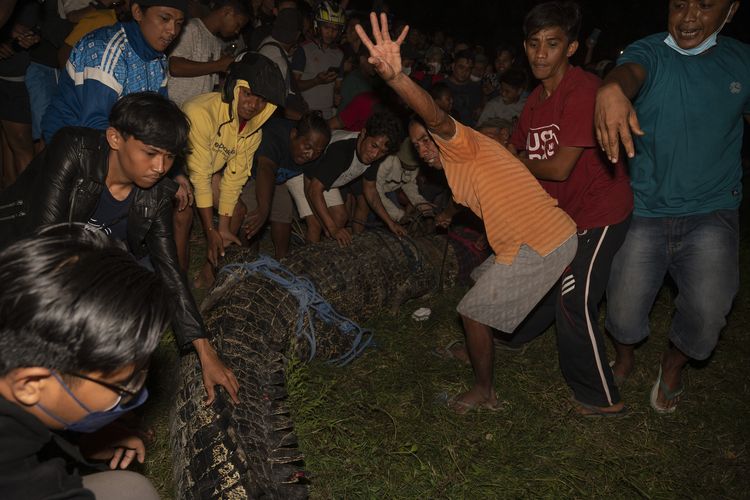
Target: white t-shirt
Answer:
pixel 198 44
pixel 496 108
pixel 311 59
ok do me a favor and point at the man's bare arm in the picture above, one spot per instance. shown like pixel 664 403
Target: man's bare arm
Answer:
pixel 185 68
pixel 373 199
pixel 264 185
pixel 314 192
pixel 614 115
pixel 556 168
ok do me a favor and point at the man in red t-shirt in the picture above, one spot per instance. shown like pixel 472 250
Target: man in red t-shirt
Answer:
pixel 555 136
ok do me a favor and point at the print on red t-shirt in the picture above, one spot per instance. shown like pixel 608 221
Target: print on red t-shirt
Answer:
pixel 542 142
pixel 596 193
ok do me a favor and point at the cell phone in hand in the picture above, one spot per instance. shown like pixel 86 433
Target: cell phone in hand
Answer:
pixel 333 69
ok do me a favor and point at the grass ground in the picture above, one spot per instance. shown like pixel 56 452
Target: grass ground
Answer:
pixel 374 429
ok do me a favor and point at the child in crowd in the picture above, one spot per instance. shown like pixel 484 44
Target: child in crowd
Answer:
pixel 509 104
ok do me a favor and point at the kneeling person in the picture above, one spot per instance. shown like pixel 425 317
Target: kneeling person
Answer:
pixel 73 357
pixel 225 133
pixel 349 156
pixel 288 149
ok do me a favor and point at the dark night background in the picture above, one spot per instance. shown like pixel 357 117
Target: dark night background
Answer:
pixel 490 21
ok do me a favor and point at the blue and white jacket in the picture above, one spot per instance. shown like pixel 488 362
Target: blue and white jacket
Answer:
pixel 105 65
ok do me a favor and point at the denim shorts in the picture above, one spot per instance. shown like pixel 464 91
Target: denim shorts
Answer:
pixel 701 254
pixel 41 82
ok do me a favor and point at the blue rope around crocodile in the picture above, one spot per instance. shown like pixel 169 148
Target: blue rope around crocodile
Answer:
pixel 310 301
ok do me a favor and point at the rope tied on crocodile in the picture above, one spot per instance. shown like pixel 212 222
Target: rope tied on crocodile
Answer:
pixel 310 302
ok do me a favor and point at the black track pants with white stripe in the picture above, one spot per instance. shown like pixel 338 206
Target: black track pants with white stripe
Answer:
pixel 580 340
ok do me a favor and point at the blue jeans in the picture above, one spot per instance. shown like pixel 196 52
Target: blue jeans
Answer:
pixel 701 254
pixel 41 82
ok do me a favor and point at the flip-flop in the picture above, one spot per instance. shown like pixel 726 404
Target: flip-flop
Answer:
pixel 591 411
pixel 669 394
pixel 447 352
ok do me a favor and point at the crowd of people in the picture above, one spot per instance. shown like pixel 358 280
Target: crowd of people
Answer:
pixel 121 120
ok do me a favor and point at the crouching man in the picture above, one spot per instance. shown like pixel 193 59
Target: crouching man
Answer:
pixel 224 136
pixel 74 354
pixel 113 181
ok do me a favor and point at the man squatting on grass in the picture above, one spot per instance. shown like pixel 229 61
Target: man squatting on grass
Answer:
pixel 683 94
pixel 113 180
pixel 225 133
pixel 533 240
pixel 74 352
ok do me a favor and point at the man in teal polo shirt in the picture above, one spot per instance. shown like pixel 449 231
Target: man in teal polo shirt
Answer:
pixel 689 90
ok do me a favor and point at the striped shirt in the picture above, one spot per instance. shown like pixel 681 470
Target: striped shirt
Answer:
pixel 500 190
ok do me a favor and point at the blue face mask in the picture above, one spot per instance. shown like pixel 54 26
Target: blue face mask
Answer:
pixel 95 420
pixel 700 49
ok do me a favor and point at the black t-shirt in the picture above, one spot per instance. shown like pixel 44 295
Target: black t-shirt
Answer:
pixel 276 146
pixel 467 98
pixel 111 215
pixel 340 164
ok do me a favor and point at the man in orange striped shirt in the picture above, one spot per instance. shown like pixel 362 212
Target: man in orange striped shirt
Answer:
pixel 533 240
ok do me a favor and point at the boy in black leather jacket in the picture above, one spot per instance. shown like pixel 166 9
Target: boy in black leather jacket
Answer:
pixel 113 180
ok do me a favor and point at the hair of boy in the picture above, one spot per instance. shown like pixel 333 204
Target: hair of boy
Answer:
pixel 238 6
pixel 516 78
pixel 506 47
pixel 72 301
pixel 387 124
pixel 439 90
pixel 152 119
pixel 465 54
pixel 313 121
pixel 565 15
pixel 181 5
pixel 498 123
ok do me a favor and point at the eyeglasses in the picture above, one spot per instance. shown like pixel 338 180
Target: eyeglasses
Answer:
pixel 127 391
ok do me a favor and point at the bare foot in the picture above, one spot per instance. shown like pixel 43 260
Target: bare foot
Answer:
pixel 473 399
pixel 624 363
pixel 205 277
pixel 458 351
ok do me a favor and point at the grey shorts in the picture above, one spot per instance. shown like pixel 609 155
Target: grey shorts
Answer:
pixel 282 208
pixel 504 294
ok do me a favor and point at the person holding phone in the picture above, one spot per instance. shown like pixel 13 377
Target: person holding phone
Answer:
pixel 316 63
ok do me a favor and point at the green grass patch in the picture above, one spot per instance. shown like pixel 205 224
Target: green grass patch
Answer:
pixel 375 430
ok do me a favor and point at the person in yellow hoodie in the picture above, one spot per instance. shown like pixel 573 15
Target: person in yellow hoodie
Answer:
pixel 225 132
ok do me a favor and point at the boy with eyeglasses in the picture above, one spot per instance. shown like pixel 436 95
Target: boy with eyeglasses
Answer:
pixel 73 356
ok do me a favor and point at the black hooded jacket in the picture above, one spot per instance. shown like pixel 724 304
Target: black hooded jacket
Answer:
pixel 64 183
pixel 34 461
